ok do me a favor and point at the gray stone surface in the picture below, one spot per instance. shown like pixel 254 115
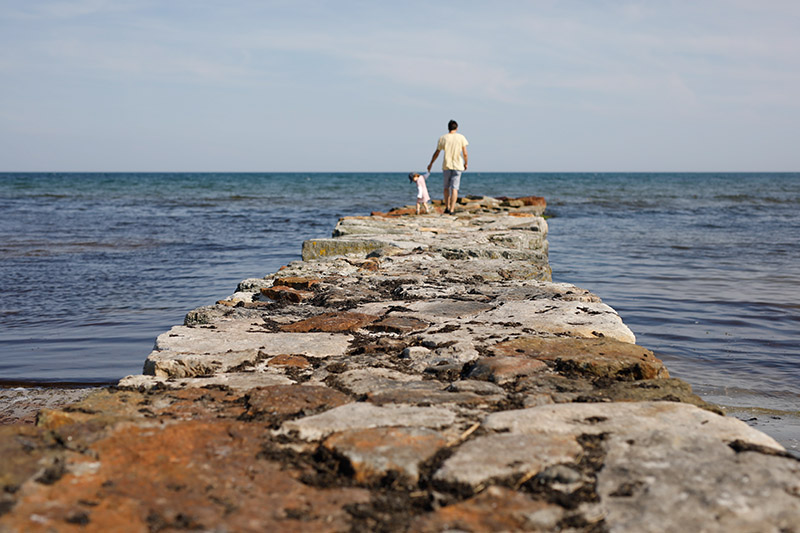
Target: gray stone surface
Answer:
pixel 366 415
pixel 578 319
pixel 191 351
pixel 376 453
pixel 234 380
pixel 502 457
pixel 668 481
pixel 677 420
pixel 365 380
pixel 20 404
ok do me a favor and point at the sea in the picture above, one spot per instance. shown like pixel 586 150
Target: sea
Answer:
pixel 703 267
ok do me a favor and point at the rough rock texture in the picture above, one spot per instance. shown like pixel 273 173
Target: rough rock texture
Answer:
pixel 20 404
pixel 414 374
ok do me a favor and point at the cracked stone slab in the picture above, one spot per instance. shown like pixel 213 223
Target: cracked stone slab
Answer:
pixel 502 370
pixel 366 380
pixel 428 392
pixel 578 319
pixel 595 357
pixel 286 294
pixel 495 509
pixel 321 248
pixel 186 475
pixel 661 483
pixel 189 351
pixel 537 290
pixel 234 380
pixel 448 348
pixel 436 310
pixel 627 421
pixel 506 455
pixel 375 452
pixel 331 322
pixel 364 416
pixel 399 324
pixel 478 387
pixel 286 400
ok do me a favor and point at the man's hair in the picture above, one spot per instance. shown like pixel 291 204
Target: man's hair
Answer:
pixel 452 125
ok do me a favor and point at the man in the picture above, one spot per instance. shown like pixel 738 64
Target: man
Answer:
pixel 454 163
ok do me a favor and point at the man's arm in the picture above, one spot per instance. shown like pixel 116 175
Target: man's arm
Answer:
pixel 466 156
pixel 435 155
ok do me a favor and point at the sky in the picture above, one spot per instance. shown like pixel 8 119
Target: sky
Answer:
pixel 369 86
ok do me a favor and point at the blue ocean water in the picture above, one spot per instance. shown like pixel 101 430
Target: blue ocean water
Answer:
pixel 704 268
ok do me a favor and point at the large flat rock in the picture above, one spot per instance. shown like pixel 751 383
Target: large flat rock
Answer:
pixel 577 319
pixel 499 457
pixel 367 416
pixel 615 419
pixel 190 351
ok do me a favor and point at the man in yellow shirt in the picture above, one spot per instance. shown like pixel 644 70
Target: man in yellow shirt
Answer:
pixel 455 162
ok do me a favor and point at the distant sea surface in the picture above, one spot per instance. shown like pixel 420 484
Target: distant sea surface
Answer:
pixel 704 268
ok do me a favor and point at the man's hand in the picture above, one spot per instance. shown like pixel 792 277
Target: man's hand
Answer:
pixel 435 155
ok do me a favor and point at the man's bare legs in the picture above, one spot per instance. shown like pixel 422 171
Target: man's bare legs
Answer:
pixel 450 198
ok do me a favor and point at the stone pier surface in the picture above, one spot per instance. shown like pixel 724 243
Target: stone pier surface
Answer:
pixel 412 373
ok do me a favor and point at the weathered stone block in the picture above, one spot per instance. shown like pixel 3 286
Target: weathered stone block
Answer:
pixel 502 370
pixel 365 380
pixel 321 248
pixel 189 475
pixel 507 456
pixel 495 509
pixel 295 282
pixel 290 361
pixel 26 451
pixel 231 380
pixel 665 418
pixel 192 351
pixel 399 324
pixel 665 390
pixel 374 453
pixel 364 416
pixel 592 357
pixel 280 293
pixel 478 387
pixel 427 393
pixel 331 322
pixel 577 319
pixel 281 401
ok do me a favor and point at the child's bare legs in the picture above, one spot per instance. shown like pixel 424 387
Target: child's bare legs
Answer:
pixel 424 206
pixel 418 208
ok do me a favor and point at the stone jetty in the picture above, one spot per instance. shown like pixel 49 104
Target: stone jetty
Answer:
pixel 411 373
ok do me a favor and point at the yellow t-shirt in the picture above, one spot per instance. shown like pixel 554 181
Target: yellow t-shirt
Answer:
pixel 452 144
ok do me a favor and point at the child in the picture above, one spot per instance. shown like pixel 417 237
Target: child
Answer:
pixel 422 190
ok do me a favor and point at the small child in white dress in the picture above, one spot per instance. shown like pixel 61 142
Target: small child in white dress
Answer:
pixel 422 190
